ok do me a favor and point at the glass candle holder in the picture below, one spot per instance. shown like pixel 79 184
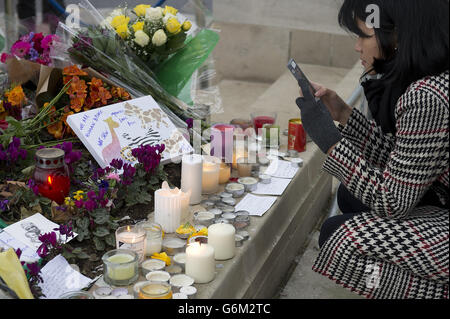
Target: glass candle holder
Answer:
pixel 77 295
pixel 51 174
pixel 225 173
pixel 155 290
pixel 210 176
pixel 244 167
pixel 153 238
pixel 132 237
pixel 222 141
pixel 120 267
pixel 259 119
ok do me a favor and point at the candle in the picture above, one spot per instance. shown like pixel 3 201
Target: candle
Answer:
pixel 133 238
pixel 200 264
pixel 191 177
pixel 244 167
pixel 225 173
pixel 210 176
pixel 185 198
pixel 222 141
pixel 153 238
pixel 120 267
pixel 168 208
pixel 221 238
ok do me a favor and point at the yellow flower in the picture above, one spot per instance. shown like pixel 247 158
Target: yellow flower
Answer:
pixel 141 38
pixel 69 202
pixel 186 25
pixel 2 109
pixel 119 21
pixel 140 9
pixel 122 30
pixel 15 96
pixel 138 26
pixel 173 26
pixel 78 195
pixel 159 38
pixel 169 9
pixel 163 257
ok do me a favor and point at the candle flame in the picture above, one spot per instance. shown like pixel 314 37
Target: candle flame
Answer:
pixel 49 180
pixel 128 228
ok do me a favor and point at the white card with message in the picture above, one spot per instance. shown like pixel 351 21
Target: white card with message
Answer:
pixel 112 131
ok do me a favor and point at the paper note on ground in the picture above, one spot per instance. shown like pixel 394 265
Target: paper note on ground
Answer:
pixel 256 205
pixel 29 229
pixel 59 278
pixel 276 187
pixel 281 169
pixel 7 241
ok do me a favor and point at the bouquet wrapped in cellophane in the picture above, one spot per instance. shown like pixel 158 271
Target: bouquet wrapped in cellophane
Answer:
pixel 117 47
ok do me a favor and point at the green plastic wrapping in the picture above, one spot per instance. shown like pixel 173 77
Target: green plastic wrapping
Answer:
pixel 176 72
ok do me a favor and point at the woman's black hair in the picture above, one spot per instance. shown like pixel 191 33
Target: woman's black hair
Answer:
pixel 413 36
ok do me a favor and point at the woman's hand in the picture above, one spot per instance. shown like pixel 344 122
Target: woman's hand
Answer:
pixel 338 109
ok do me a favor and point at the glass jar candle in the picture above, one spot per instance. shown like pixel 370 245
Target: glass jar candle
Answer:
pixel 120 267
pixel 51 174
pixel 154 237
pixel 155 290
pixel 132 237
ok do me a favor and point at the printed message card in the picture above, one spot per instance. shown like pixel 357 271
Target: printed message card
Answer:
pixel 111 132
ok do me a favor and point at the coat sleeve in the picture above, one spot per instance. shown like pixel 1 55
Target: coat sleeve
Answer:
pixel 418 157
pixel 362 132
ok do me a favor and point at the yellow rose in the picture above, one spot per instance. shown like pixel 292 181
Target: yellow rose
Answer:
pixel 138 26
pixel 173 26
pixel 159 38
pixel 169 9
pixel 186 25
pixel 140 9
pixel 119 21
pixel 122 30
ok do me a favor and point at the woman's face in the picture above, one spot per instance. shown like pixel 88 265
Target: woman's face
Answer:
pixel 367 47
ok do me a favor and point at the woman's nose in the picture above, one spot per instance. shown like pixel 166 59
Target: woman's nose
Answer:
pixel 358 47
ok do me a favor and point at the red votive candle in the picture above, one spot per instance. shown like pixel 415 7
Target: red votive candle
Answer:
pixel 51 174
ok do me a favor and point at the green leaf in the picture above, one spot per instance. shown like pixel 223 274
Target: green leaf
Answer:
pixel 111 240
pixel 83 223
pixel 76 251
pixel 99 244
pixel 101 231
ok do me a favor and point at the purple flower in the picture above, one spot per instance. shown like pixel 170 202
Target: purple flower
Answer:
pixel 65 230
pixel 4 205
pixel 34 269
pixel 190 123
pixel 32 184
pixel 79 203
pixel 33 54
pixel 20 49
pixel 91 195
pixel 49 239
pixel 42 251
pixel 128 173
pixel 90 205
pixel 117 163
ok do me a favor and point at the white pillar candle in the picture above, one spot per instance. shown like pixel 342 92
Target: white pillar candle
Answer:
pixel 200 264
pixel 191 177
pixel 210 176
pixel 221 238
pixel 168 208
pixel 185 198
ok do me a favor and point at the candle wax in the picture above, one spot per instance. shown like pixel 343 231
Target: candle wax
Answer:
pixel 116 271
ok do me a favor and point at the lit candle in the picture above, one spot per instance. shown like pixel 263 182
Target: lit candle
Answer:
pixel 185 198
pixel 121 272
pixel 133 238
pixel 200 264
pixel 210 176
pixel 191 177
pixel 225 173
pixel 168 208
pixel 222 238
pixel 153 238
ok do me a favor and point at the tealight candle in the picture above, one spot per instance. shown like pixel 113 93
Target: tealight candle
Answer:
pixel 210 176
pixel 191 177
pixel 200 264
pixel 221 238
pixel 120 267
pixel 132 237
pixel 225 173
pixel 154 237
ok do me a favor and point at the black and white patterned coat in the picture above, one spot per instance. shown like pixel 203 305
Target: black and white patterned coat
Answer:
pixel 397 250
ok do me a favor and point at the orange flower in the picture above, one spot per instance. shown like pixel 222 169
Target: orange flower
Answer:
pixel 78 88
pixel 104 95
pixel 56 129
pixel 16 96
pixel 120 93
pixel 67 130
pixel 96 82
pixel 73 70
pixel 77 103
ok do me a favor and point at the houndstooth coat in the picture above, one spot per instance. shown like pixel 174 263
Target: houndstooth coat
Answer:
pixel 396 250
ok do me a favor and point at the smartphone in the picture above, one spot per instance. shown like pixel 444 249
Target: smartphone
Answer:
pixel 298 74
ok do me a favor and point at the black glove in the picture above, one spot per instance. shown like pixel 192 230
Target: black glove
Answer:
pixel 316 120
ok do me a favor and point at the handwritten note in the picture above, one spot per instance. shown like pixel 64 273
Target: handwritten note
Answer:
pixel 276 187
pixel 59 278
pixel 256 205
pixel 281 169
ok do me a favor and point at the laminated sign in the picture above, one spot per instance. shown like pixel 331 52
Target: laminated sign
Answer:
pixel 113 131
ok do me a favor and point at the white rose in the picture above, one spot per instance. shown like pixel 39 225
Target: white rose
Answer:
pixel 167 17
pixel 141 38
pixel 153 14
pixel 159 38
pixel 116 12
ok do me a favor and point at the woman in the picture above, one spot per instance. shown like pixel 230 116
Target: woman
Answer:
pixel 395 245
